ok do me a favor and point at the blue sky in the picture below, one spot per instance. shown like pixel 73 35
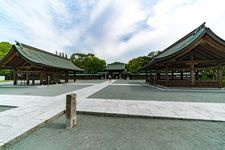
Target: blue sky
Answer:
pixel 114 30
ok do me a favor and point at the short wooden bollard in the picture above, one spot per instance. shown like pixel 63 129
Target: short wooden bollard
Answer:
pixel 70 111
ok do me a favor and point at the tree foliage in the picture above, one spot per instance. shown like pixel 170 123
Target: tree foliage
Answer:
pixel 4 49
pixel 89 62
pixel 135 64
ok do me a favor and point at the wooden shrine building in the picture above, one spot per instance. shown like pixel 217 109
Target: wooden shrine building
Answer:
pixel 181 64
pixel 115 70
pixel 30 64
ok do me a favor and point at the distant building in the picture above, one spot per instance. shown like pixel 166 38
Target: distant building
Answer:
pixel 116 70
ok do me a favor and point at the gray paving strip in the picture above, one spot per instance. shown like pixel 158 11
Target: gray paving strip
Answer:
pixel 128 84
pixel 32 111
pixel 178 110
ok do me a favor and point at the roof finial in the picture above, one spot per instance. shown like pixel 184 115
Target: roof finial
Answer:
pixel 19 44
pixel 203 25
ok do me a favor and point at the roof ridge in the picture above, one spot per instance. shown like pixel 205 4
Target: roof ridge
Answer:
pixel 21 45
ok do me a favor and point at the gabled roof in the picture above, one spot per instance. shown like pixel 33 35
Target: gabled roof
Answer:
pixel 115 66
pixel 41 58
pixel 184 43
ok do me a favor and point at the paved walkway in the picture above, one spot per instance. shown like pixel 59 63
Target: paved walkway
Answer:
pixel 32 111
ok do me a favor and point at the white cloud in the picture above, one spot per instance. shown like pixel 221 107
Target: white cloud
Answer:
pixel 114 30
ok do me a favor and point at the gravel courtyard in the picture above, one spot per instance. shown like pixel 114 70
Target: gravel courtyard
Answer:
pixel 99 132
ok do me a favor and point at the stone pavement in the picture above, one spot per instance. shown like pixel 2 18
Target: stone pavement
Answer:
pixel 32 111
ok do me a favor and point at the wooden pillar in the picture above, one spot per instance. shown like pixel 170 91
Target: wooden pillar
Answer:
pixel 182 75
pixel 219 76
pixel 27 78
pixel 197 75
pixel 15 77
pixel 48 78
pixel 74 76
pixel 33 80
pixel 157 75
pixel 155 78
pixel 150 77
pixel 41 77
pixel 167 76
pixel 66 77
pixel 146 76
pixel 192 75
pixel 172 74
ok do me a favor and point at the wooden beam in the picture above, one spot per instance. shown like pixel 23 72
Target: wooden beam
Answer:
pixel 188 50
pixel 9 59
pixel 214 44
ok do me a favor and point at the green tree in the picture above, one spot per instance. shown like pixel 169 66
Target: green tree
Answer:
pixel 89 62
pixel 135 64
pixel 4 49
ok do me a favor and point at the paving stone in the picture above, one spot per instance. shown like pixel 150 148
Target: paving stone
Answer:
pixel 34 110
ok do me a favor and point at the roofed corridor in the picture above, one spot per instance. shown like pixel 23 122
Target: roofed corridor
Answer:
pixel 35 110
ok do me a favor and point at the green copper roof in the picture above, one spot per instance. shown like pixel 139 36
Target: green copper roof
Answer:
pixel 116 66
pixel 183 42
pixel 43 58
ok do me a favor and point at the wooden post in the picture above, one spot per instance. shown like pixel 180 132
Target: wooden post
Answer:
pixel 192 75
pixel 219 76
pixel 146 76
pixel 197 75
pixel 15 77
pixel 41 77
pixel 70 110
pixel 150 78
pixel 74 76
pixel 155 79
pixel 182 75
pixel 167 76
pixel 48 79
pixel 157 75
pixel 27 78
pixel 172 74
pixel 33 80
pixel 66 77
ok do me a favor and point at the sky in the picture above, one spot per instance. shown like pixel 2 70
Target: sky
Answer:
pixel 113 30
